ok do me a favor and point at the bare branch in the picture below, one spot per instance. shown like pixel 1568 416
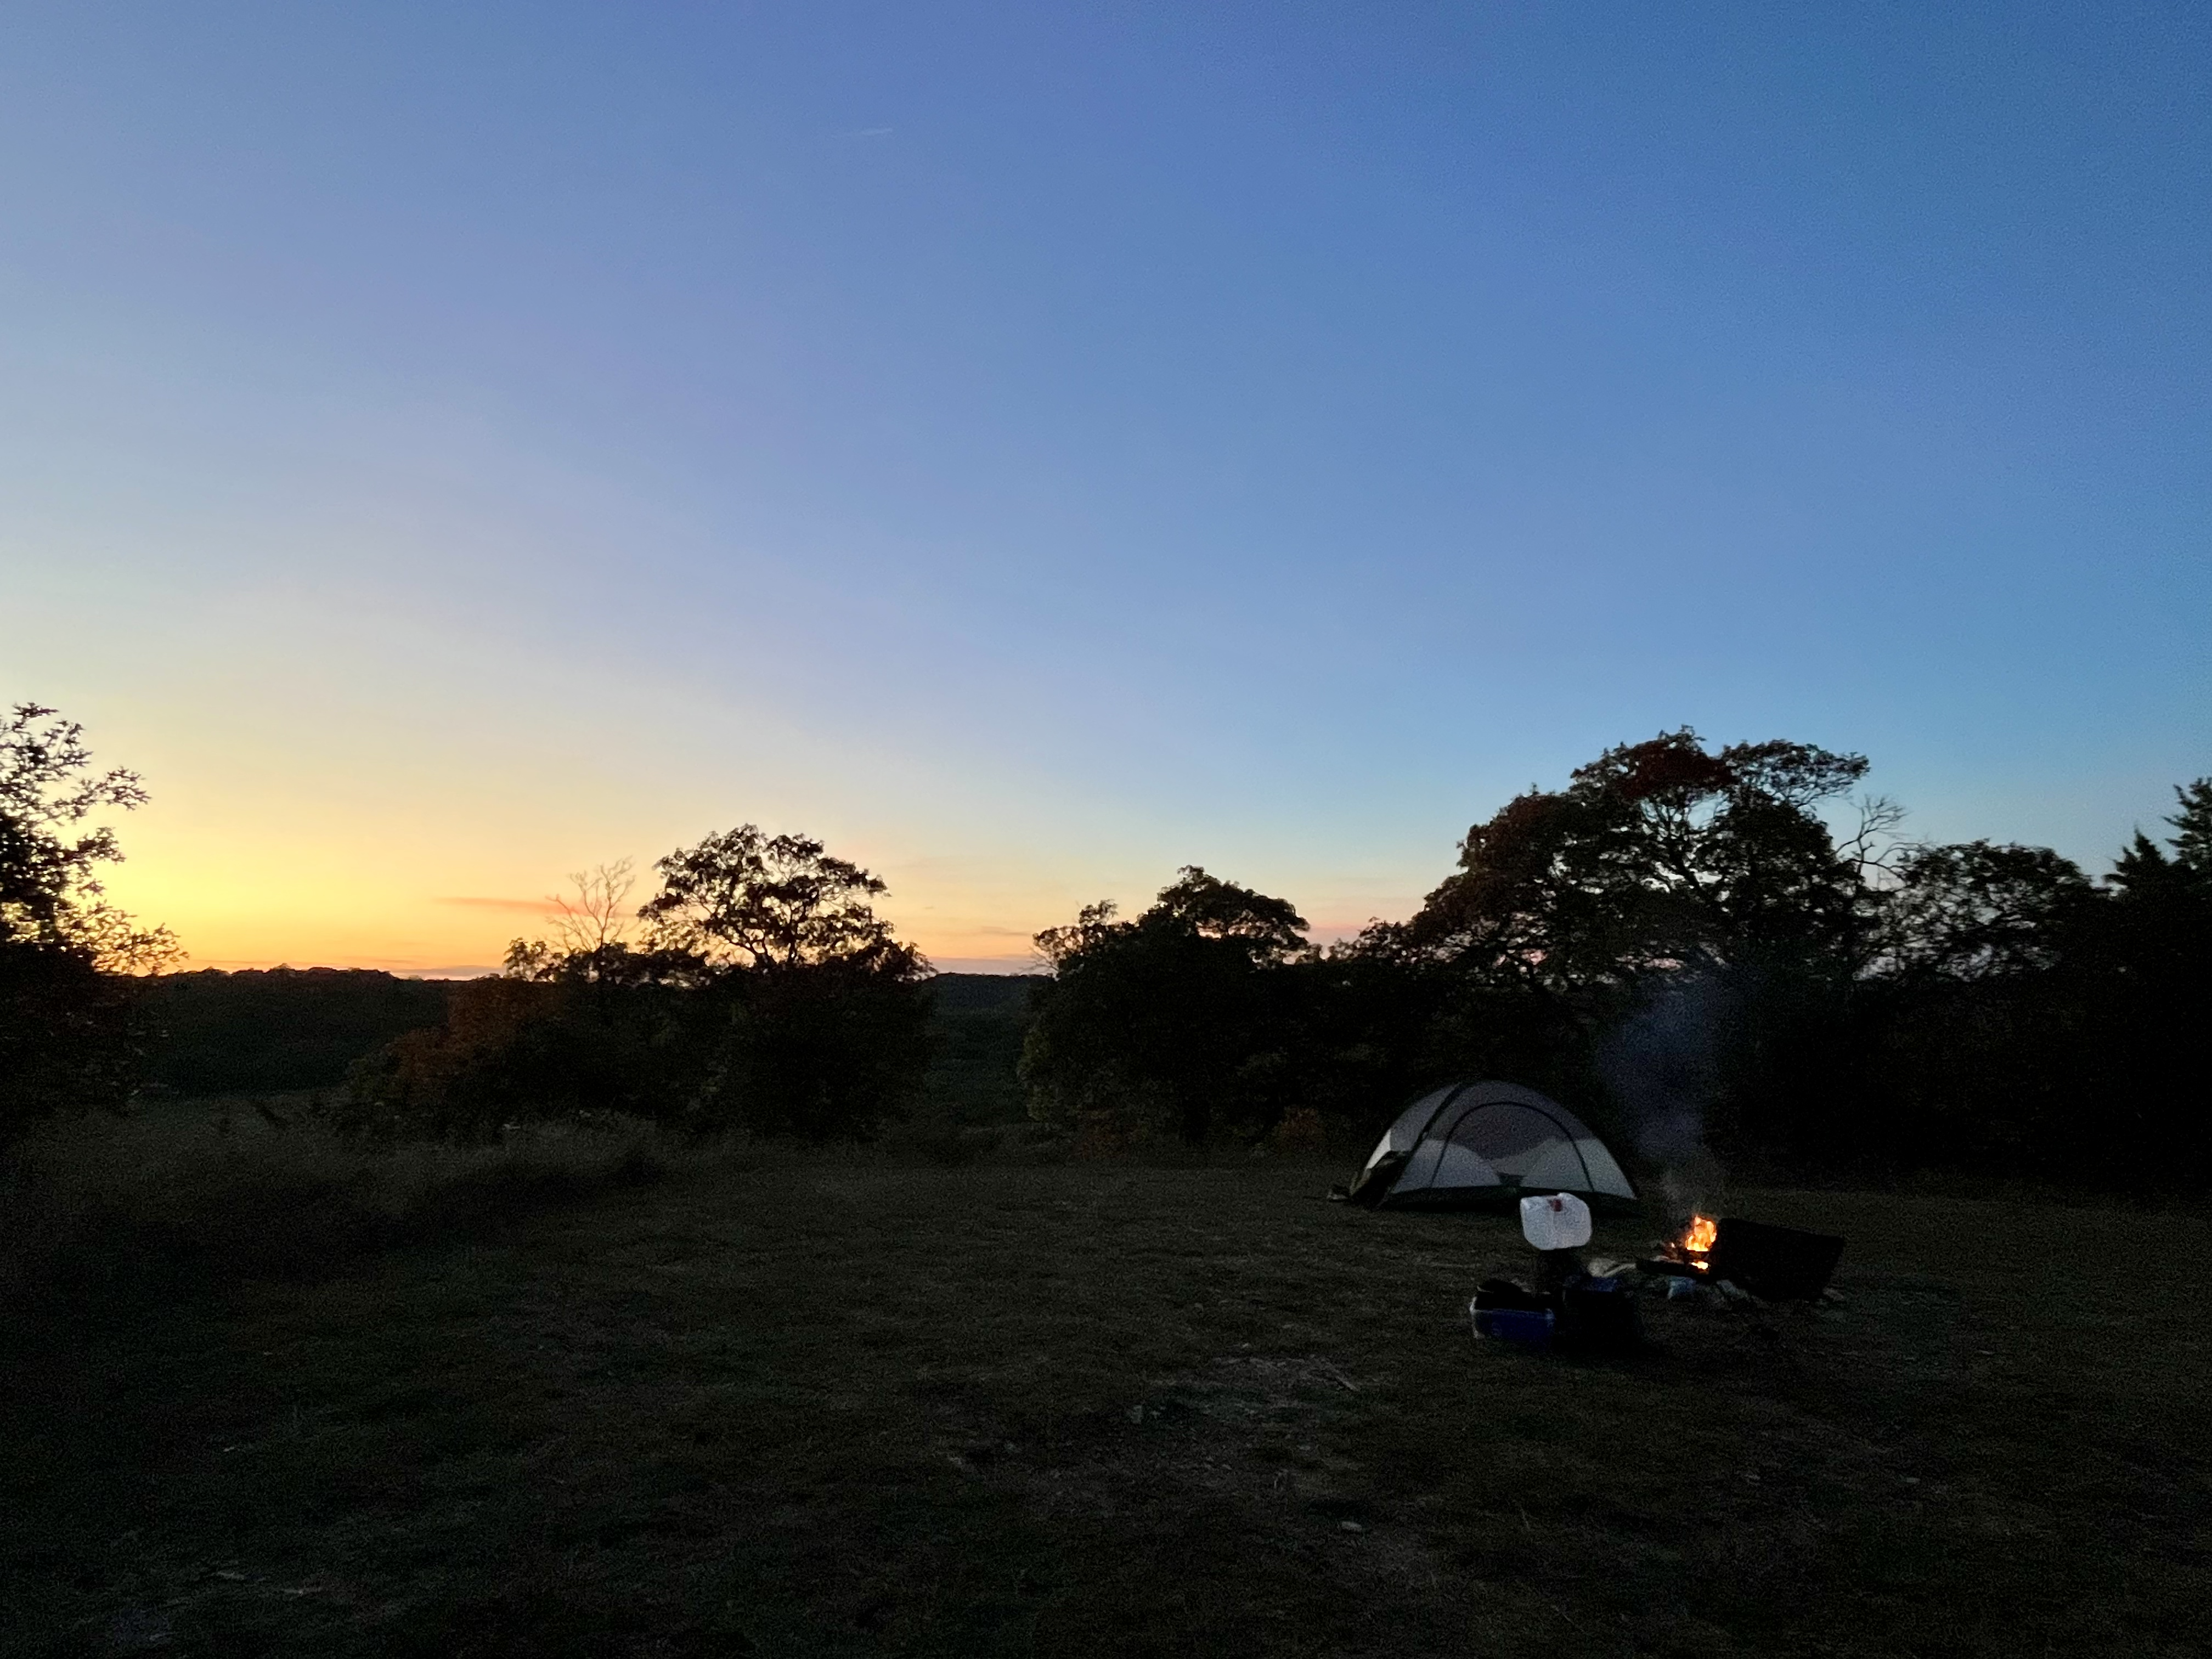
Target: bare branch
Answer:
pixel 599 914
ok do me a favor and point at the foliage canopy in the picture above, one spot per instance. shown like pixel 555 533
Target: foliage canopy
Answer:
pixel 1170 1020
pixel 1659 854
pixel 66 1032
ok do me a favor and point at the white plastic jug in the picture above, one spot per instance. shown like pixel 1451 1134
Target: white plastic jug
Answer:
pixel 1561 1222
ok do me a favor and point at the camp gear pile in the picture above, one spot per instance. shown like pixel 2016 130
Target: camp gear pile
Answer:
pixel 1594 1314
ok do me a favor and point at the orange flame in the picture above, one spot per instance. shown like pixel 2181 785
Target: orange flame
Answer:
pixel 1698 1238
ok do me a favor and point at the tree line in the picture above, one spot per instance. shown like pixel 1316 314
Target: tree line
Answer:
pixel 1708 947
pixel 1683 943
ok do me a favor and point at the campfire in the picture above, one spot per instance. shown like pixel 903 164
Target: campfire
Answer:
pixel 1771 1262
pixel 1692 1246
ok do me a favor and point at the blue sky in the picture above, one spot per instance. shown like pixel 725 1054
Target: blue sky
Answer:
pixel 1033 447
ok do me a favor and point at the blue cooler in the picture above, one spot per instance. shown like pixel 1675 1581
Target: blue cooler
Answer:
pixel 1530 1328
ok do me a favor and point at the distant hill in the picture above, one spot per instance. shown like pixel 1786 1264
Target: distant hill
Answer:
pixel 981 1019
pixel 963 992
pixel 275 1030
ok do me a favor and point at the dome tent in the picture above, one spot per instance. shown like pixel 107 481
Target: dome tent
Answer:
pixel 1484 1144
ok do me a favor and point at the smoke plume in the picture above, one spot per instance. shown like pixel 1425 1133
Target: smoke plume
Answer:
pixel 1661 1065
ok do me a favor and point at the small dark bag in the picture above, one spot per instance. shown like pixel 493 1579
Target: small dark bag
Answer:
pixel 1598 1316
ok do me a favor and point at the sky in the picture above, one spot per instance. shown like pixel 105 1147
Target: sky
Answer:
pixel 1033 447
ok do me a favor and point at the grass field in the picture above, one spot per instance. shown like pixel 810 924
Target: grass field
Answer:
pixel 821 1407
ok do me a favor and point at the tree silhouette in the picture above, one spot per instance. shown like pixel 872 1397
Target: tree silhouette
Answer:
pixel 1182 1015
pixel 65 1037
pixel 767 995
pixel 1659 854
pixel 770 903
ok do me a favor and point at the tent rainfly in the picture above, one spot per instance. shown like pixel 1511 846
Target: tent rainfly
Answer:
pixel 1483 1144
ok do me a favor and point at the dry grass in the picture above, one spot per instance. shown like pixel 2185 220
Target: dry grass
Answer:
pixel 99 1215
pixel 821 1406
